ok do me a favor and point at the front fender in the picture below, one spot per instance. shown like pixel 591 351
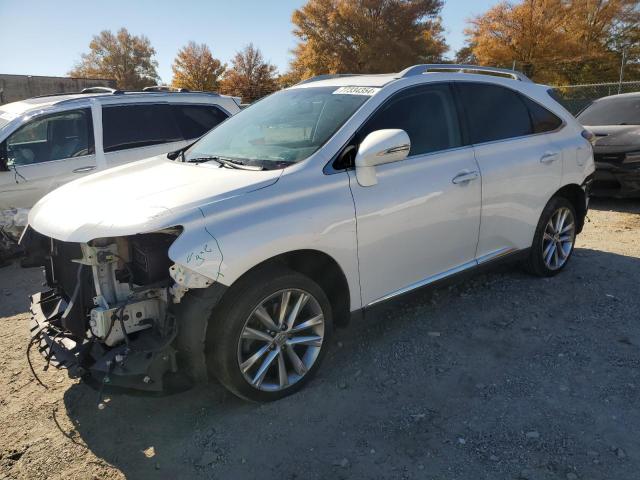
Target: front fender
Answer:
pixel 198 250
pixel 303 211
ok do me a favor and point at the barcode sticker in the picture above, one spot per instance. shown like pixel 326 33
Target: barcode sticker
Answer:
pixel 8 116
pixel 368 91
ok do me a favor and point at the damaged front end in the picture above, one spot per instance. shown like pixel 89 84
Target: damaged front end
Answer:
pixel 109 313
pixel 12 223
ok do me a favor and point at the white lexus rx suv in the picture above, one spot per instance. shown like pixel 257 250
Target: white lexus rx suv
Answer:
pixel 235 257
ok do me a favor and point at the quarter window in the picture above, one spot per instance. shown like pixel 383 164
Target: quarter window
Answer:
pixel 494 112
pixel 132 126
pixel 543 120
pixel 428 115
pixel 53 137
pixel 196 120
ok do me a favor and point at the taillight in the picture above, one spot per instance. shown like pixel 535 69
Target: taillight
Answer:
pixel 588 135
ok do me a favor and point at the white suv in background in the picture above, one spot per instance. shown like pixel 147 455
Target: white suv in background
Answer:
pixel 48 141
pixel 237 257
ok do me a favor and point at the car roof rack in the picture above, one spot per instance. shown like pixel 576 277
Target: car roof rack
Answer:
pixel 447 67
pixel 110 90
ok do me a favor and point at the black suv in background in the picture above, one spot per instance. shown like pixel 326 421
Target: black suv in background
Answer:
pixel 615 121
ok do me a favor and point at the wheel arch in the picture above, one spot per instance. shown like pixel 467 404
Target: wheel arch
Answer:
pixel 322 269
pixel 578 198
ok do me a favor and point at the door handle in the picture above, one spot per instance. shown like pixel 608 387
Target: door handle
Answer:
pixel 549 157
pixel 465 177
pixel 84 169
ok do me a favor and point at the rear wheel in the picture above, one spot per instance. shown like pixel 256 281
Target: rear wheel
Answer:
pixel 554 238
pixel 269 334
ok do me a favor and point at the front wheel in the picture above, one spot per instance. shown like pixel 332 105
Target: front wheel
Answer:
pixel 269 335
pixel 554 239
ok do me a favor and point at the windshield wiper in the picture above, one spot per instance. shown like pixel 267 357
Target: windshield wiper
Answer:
pixel 225 162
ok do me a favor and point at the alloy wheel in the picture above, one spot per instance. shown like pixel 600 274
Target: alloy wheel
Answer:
pixel 281 340
pixel 559 236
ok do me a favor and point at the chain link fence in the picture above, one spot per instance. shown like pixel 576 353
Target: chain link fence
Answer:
pixel 577 97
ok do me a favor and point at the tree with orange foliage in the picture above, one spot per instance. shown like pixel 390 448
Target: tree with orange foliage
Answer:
pixel 124 57
pixel 366 36
pixel 554 41
pixel 195 68
pixel 250 76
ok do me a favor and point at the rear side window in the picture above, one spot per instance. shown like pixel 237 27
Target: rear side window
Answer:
pixel 494 112
pixel 428 115
pixel 543 120
pixel 196 120
pixel 132 126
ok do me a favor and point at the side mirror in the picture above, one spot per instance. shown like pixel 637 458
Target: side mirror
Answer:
pixel 378 148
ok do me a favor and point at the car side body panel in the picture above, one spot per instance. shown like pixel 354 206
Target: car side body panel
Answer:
pixel 302 211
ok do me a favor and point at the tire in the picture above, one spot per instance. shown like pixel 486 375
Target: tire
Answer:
pixel 547 243
pixel 238 333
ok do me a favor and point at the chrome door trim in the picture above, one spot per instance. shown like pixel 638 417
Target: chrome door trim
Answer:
pixel 496 254
pixel 447 273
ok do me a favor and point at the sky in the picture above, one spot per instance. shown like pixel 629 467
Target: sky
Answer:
pixel 46 37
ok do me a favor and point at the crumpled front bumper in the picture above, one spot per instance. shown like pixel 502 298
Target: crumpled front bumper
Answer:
pixel 140 365
pixel 616 180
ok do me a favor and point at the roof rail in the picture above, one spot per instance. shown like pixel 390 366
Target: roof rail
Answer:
pixel 113 91
pixel 164 88
pixel 328 76
pixel 444 67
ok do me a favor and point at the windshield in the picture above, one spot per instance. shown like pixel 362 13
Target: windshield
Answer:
pixel 284 128
pixel 614 111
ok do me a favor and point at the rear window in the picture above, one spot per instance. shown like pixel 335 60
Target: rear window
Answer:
pixel 494 112
pixel 132 126
pixel 196 120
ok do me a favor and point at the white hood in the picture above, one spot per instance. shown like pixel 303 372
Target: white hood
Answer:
pixel 139 197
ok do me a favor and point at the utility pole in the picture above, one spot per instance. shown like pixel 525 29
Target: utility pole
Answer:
pixel 624 57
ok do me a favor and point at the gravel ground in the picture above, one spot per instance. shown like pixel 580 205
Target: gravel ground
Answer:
pixel 502 376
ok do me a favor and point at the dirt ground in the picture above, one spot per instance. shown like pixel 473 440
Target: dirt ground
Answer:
pixel 503 376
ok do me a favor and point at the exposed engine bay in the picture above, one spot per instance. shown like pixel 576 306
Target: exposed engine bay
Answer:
pixel 110 310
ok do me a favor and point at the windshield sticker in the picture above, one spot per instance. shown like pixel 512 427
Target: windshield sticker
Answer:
pixel 8 116
pixel 368 91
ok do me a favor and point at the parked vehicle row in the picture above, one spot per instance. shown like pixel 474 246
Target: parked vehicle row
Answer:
pixel 237 255
pixel 48 141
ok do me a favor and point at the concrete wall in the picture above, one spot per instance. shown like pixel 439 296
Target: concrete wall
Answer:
pixel 19 87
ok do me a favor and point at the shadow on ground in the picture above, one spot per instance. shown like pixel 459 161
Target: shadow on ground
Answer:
pixel 628 205
pixel 502 376
pixel 15 279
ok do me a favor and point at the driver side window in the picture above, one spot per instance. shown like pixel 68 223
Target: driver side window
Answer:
pixel 426 112
pixel 52 137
